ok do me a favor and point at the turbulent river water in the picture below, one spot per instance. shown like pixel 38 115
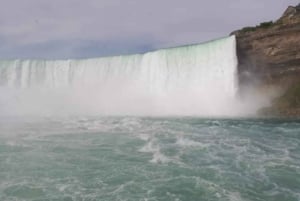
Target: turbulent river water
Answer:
pixel 148 159
pixel 115 129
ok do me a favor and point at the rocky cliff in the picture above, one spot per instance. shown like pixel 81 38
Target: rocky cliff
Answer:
pixel 269 56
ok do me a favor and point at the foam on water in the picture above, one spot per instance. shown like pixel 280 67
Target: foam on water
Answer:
pixel 132 158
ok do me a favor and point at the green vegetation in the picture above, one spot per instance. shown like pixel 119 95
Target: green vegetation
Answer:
pixel 265 24
pixel 247 29
pixel 290 99
pixel 286 105
pixel 262 25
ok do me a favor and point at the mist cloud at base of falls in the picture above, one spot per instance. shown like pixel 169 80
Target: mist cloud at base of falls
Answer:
pixel 197 80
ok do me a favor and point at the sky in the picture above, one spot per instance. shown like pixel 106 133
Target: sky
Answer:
pixel 65 29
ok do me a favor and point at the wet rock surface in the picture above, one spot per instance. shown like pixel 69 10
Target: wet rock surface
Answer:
pixel 269 56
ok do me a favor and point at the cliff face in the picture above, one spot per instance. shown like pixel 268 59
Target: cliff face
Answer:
pixel 269 56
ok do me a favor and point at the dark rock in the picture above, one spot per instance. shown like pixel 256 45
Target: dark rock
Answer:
pixel 269 54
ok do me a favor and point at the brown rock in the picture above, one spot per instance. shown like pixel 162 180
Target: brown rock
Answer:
pixel 269 54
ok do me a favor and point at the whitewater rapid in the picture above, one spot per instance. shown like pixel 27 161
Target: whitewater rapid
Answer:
pixel 142 158
pixel 197 80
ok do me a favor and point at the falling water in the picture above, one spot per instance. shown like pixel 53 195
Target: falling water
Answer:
pixel 190 80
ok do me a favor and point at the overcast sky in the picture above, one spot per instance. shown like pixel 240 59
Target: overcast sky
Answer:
pixel 91 28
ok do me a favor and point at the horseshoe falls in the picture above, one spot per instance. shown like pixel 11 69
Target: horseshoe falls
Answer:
pixel 167 125
pixel 192 80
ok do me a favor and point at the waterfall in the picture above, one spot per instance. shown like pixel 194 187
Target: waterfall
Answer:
pixel 197 79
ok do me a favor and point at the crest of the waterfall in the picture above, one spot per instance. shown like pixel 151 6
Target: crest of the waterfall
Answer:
pixel 190 80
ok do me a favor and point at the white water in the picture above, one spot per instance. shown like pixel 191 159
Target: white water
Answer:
pixel 191 80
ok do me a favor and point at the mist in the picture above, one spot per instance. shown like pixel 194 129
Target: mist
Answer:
pixel 198 80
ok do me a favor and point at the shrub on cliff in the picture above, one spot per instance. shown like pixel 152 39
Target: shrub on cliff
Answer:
pixel 265 24
pixel 247 29
pixel 262 25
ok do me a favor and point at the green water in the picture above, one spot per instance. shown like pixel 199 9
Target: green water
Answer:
pixel 149 159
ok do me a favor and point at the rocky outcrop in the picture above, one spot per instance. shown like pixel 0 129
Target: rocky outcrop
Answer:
pixel 269 56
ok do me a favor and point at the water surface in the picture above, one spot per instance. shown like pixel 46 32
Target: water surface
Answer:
pixel 149 159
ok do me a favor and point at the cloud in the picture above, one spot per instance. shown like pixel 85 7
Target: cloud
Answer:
pixel 76 28
pixel 76 49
